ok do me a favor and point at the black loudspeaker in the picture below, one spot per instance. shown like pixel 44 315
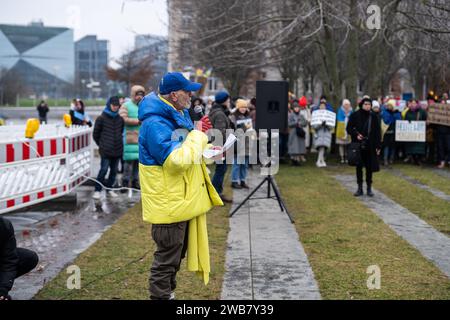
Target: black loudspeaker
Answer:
pixel 272 105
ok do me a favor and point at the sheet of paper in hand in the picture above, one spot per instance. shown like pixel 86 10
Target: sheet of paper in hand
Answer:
pixel 320 116
pixel 210 153
pixel 244 123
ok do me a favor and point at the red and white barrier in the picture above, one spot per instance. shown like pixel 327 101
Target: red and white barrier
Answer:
pixel 35 170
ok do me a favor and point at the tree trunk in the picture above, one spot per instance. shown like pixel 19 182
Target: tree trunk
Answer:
pixel 351 80
pixel 331 66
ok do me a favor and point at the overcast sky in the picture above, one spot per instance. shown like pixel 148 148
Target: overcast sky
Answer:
pixel 115 20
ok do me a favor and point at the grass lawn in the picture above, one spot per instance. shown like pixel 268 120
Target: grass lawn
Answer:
pixel 426 176
pixel 55 102
pixel 431 209
pixel 342 238
pixel 117 266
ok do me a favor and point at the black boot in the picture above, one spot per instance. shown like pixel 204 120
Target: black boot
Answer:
pixel 360 192
pixel 236 185
pixel 369 190
pixel 244 185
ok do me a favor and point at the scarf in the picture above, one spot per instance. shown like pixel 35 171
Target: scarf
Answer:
pixel 109 112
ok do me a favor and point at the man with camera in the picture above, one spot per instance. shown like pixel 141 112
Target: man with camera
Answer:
pixel 364 128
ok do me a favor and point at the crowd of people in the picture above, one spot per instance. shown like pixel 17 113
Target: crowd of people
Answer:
pixel 301 138
pixel 304 138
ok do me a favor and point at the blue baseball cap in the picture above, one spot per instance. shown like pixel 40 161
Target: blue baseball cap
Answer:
pixel 174 81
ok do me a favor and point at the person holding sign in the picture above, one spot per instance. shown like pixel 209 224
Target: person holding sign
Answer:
pixel 389 118
pixel 415 150
pixel 364 128
pixel 323 122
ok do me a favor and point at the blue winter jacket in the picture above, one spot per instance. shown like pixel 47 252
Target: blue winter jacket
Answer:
pixel 390 117
pixel 159 121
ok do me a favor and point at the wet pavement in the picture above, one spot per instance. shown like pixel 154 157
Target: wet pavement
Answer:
pixel 60 229
pixel 59 236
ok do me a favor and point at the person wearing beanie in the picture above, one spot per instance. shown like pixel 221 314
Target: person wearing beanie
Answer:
pixel 364 128
pixel 342 138
pixel 221 97
pixel 392 103
pixel 303 102
pixel 376 106
pixel 246 137
pixel 297 134
pixel 219 120
pixel 305 112
pixel 108 135
pixel 129 112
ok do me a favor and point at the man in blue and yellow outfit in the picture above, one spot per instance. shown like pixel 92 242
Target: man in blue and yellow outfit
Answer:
pixel 176 188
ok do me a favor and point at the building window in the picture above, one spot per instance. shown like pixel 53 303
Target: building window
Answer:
pixel 212 84
pixel 83 55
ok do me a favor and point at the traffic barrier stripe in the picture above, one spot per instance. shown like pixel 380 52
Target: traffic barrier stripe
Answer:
pixel 34 171
pixel 33 198
pixel 78 143
pixel 32 149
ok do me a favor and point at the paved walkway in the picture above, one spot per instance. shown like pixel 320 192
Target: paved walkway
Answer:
pixel 442 172
pixel 432 244
pixel 435 192
pixel 265 259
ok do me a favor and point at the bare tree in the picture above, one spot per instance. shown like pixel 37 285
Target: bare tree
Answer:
pixel 326 40
pixel 11 85
pixel 134 68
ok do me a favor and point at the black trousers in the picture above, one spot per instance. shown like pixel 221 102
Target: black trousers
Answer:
pixel 368 166
pixel 171 241
pixel 28 260
pixel 443 147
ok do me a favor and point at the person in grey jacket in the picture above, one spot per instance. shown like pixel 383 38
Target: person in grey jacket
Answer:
pixel 297 142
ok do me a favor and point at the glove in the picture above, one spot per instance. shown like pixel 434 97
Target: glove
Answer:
pixel 206 124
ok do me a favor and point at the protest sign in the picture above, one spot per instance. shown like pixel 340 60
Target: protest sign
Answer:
pixel 319 116
pixel 439 114
pixel 414 131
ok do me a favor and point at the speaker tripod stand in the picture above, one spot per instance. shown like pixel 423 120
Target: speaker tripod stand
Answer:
pixel 270 184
